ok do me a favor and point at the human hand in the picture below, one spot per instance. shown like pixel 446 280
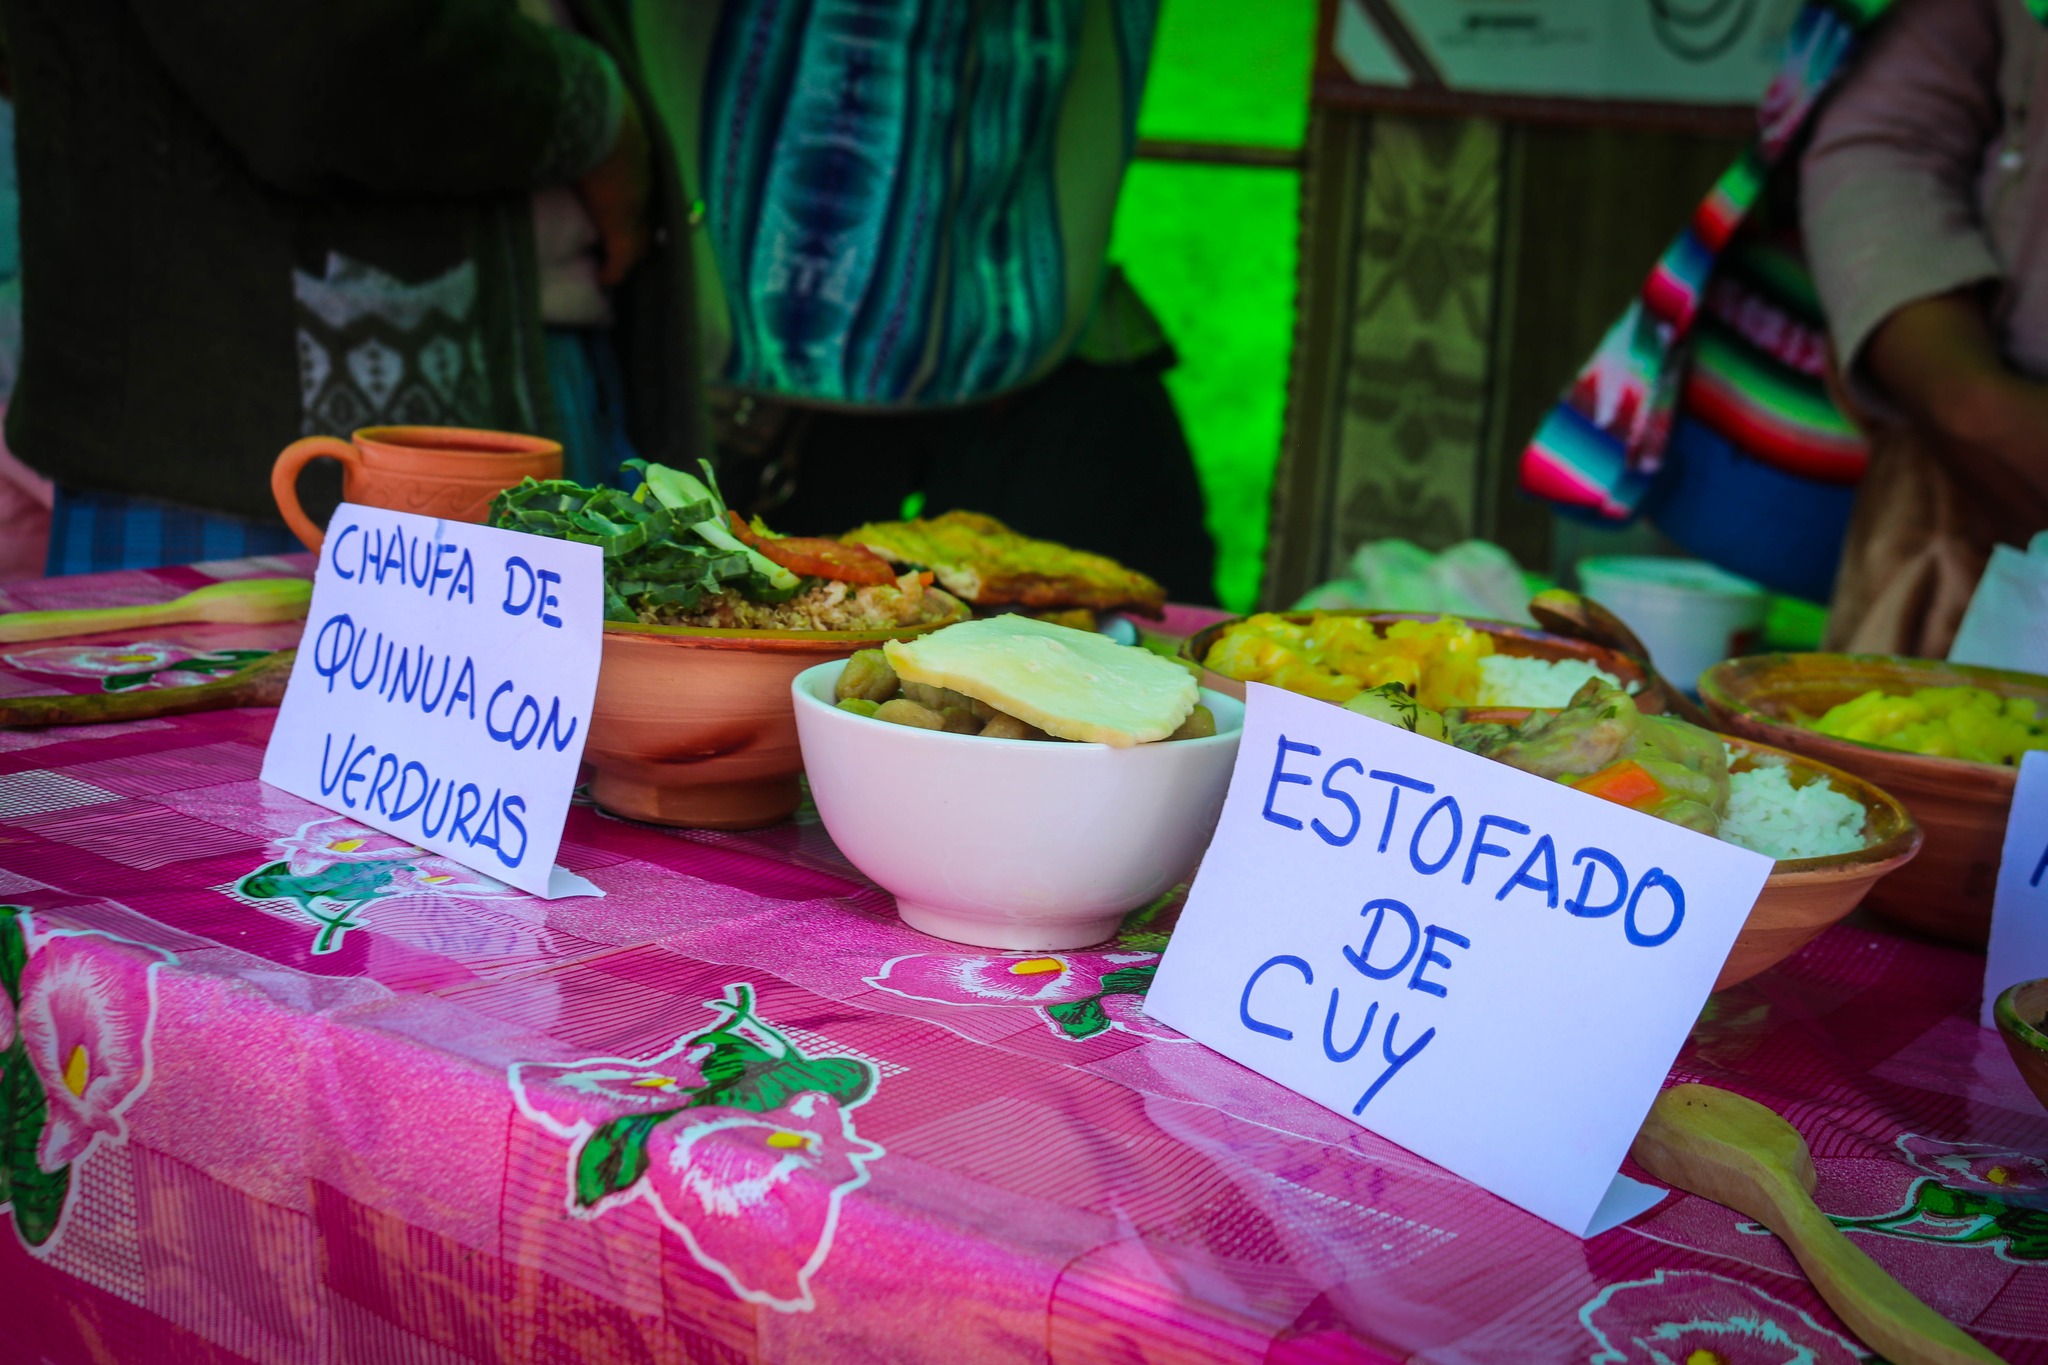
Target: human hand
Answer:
pixel 616 191
pixel 1939 362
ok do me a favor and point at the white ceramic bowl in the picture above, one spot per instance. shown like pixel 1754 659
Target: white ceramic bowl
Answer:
pixel 1007 843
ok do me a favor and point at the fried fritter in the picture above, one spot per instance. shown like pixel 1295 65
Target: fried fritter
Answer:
pixel 983 561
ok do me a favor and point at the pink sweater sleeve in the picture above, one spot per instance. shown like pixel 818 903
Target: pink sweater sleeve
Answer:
pixel 1888 187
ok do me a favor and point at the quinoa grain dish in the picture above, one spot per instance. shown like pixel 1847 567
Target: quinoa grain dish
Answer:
pixel 906 600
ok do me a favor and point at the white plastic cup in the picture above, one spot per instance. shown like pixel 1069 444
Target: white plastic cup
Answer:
pixel 1689 614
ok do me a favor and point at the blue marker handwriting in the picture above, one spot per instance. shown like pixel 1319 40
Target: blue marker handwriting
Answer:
pixel 381 556
pixel 533 587
pixel 1430 828
pixel 1366 1002
pixel 408 795
pixel 1281 995
pixel 402 673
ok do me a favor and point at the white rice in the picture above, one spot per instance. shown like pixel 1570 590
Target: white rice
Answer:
pixel 1768 815
pixel 1511 680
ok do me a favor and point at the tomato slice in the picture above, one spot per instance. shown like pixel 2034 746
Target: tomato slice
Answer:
pixel 816 557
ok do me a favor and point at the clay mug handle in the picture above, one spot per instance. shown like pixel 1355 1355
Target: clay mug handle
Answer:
pixel 284 481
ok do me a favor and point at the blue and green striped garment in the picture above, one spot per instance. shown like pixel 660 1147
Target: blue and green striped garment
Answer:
pixel 908 200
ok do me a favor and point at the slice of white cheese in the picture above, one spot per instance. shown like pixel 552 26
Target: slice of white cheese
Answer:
pixel 1070 683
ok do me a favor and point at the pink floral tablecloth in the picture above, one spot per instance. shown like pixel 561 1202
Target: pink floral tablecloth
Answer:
pixel 275 1087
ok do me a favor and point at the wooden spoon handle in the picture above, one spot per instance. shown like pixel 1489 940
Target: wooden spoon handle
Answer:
pixel 20 627
pixel 1880 1310
pixel 243 601
pixel 260 683
pixel 1734 1151
pixel 1568 613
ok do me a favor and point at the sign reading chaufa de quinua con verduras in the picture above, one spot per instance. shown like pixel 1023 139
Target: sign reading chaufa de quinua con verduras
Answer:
pixel 1487 967
pixel 443 687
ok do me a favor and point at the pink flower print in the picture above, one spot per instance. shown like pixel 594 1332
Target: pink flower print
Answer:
pixel 321 844
pixel 431 874
pixel 575 1098
pixel 1012 979
pixel 74 661
pixel 127 668
pixel 742 1143
pixel 1692 1317
pixel 1976 1165
pixel 336 867
pixel 87 1002
pixel 1079 994
pixel 756 1196
pixel 325 843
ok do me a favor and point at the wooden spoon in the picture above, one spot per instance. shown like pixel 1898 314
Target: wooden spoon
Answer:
pixel 258 683
pixel 244 601
pixel 1734 1151
pixel 1563 612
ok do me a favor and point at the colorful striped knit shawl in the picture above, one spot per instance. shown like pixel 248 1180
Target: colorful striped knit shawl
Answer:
pixel 1726 329
pixel 896 217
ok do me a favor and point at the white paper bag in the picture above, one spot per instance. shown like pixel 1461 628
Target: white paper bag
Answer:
pixel 2007 623
pixel 1474 578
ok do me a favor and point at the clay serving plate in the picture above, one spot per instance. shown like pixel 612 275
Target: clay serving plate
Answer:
pixel 1802 896
pixel 1508 638
pixel 1961 805
pixel 694 726
pixel 2022 1015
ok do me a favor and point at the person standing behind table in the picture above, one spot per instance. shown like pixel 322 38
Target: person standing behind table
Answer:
pixel 1925 210
pixel 906 209
pixel 245 222
pixel 24 495
pixel 577 316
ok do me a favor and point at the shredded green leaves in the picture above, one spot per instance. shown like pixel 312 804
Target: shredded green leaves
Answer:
pixel 655 561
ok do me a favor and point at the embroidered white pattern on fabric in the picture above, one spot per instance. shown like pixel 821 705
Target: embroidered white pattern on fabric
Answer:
pixel 408 353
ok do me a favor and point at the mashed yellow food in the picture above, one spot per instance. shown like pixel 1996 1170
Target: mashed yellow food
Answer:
pixel 1335 658
pixel 1947 722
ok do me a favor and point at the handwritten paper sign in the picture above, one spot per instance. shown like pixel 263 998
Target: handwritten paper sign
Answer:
pixel 1491 969
pixel 443 686
pixel 2019 910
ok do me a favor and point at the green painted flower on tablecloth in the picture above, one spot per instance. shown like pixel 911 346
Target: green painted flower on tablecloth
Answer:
pixel 1987 1167
pixel 1934 1212
pixel 334 869
pixel 77 1009
pixel 742 1144
pixel 135 667
pixel 1976 1195
pixel 1079 995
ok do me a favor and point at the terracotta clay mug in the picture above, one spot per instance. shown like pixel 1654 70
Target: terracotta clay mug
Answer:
pixel 447 472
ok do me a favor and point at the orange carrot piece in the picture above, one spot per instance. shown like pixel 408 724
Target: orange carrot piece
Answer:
pixel 1625 784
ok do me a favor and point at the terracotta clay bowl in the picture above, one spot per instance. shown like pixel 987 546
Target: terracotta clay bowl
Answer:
pixel 694 727
pixel 1802 896
pixel 1960 805
pixel 2022 1015
pixel 1508 638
